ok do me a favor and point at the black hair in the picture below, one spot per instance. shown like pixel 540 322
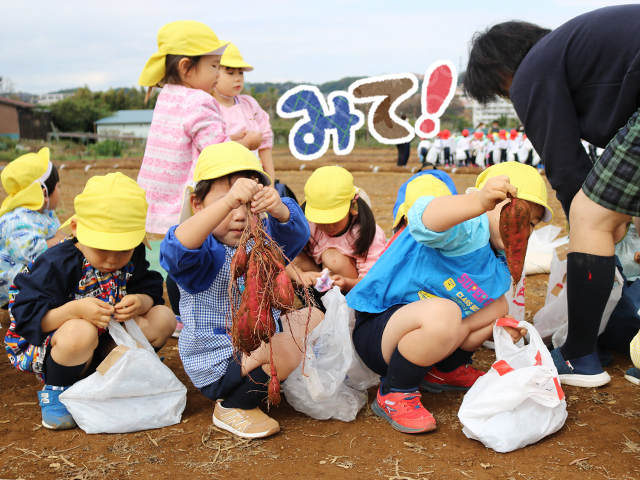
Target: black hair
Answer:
pixel 203 187
pixel 52 181
pixel 495 55
pixel 172 71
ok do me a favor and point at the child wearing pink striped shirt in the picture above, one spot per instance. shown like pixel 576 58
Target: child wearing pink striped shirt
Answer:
pixel 186 118
pixel 242 112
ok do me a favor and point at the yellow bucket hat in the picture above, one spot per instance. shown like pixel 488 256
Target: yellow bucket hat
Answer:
pixel 328 194
pixel 231 58
pixel 111 213
pixel 184 37
pixel 423 186
pixel 218 160
pixel 23 180
pixel 525 178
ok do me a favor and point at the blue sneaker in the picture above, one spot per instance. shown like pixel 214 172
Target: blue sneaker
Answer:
pixel 55 415
pixel 581 372
pixel 633 375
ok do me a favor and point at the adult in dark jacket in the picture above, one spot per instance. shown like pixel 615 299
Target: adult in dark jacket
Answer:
pixel 580 81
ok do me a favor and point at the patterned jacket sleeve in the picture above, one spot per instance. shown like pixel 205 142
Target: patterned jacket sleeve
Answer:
pixel 204 123
pixel 28 236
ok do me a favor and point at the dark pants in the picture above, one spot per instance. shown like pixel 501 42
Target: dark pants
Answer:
pixel 404 150
pixel 174 295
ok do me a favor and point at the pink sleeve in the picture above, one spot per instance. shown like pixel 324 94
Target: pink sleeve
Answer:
pixel 204 123
pixel 375 250
pixel 262 122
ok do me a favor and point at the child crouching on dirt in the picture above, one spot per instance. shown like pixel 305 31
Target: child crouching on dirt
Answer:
pixel 197 254
pixel 62 302
pixel 28 223
pixel 433 297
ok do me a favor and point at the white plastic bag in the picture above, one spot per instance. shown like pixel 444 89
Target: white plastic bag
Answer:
pixel 516 307
pixel 542 243
pixel 335 380
pixel 552 319
pixel 131 391
pixel 519 401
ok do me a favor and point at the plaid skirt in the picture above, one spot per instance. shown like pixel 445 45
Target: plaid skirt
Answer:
pixel 614 180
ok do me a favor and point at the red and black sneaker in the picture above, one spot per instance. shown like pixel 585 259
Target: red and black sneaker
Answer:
pixel 404 411
pixel 460 380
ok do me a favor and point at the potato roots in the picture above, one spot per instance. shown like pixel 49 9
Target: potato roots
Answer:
pixel 267 286
pixel 515 221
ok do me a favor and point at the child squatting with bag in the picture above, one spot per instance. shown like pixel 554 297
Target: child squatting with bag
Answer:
pixel 197 254
pixel 28 223
pixel 433 297
pixel 62 302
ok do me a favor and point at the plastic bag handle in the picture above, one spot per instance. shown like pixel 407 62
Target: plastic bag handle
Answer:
pixel 503 341
pixel 131 337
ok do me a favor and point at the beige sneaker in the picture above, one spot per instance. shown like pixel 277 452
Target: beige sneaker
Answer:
pixel 244 423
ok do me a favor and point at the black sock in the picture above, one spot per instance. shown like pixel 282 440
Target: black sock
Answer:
pixel 589 282
pixel 61 375
pixel 402 374
pixel 250 393
pixel 457 359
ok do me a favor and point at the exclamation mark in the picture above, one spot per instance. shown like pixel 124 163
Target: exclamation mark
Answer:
pixel 438 88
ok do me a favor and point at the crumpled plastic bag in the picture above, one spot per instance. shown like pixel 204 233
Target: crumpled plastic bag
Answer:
pixel 132 389
pixel 335 379
pixel 542 243
pixel 520 400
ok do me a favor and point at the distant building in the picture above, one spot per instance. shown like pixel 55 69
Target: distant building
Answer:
pixel 126 122
pixel 492 111
pixel 51 98
pixel 23 120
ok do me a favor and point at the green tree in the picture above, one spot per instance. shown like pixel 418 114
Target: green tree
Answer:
pixel 78 112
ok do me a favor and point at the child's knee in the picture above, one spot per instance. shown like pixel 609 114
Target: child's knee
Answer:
pixel 338 262
pixel 76 335
pixel 162 320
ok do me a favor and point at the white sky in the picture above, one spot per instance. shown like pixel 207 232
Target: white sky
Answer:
pixel 51 45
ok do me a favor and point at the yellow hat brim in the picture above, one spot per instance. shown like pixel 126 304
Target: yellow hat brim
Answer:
pixel 236 64
pixel 65 229
pixel 111 241
pixel 334 215
pixel 155 68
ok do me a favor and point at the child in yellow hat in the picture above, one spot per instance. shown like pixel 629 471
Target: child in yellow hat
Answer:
pixel 344 235
pixel 197 254
pixel 241 112
pixel 28 222
pixel 62 302
pixel 434 295
pixel 186 117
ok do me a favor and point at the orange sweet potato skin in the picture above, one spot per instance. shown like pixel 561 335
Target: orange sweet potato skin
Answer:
pixel 515 220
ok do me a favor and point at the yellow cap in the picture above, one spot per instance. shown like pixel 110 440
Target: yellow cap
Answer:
pixel 184 37
pixel 23 179
pixel 423 186
pixel 525 178
pixel 218 160
pixel 111 213
pixel 231 58
pixel 328 194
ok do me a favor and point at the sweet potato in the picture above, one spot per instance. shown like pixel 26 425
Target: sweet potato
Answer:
pixel 239 263
pixel 283 290
pixel 242 331
pixel 274 384
pixel 515 221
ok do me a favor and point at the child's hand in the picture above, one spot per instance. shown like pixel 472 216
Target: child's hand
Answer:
pixel 495 191
pixel 516 334
pixel 268 200
pixel 309 279
pixel 242 192
pixel 636 257
pixel 94 311
pixel 252 140
pixel 129 307
pixel 339 280
pixel 238 136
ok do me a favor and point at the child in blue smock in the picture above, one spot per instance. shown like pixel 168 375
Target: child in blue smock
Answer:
pixel 433 297
pixel 28 223
pixel 197 254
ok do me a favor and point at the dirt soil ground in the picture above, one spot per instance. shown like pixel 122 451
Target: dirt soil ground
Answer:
pixel 601 438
